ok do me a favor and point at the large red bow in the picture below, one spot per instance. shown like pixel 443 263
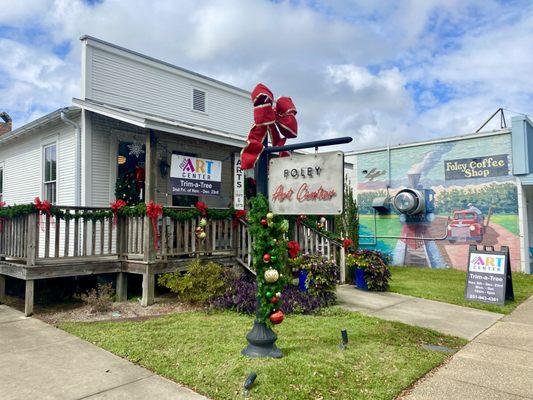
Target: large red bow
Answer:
pixel 43 206
pixel 116 206
pixel 279 121
pixel 153 211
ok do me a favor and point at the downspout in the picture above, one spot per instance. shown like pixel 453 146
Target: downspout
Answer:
pixel 77 157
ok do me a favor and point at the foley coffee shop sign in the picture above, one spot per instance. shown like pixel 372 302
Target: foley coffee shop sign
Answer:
pixel 195 176
pixel 307 184
pixel 479 167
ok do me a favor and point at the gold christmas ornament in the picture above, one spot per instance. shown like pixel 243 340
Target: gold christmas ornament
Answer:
pixel 270 215
pixel 201 235
pixel 203 222
pixel 271 275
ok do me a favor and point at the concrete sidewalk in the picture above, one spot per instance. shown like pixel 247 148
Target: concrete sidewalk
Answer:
pixel 498 364
pixel 447 318
pixel 41 362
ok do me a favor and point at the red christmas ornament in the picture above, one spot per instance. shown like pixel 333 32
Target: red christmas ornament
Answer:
pixel 264 222
pixel 277 317
pixel 274 299
pixel 266 257
pixel 347 243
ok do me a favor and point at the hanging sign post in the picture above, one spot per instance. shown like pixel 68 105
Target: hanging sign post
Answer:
pixel 488 277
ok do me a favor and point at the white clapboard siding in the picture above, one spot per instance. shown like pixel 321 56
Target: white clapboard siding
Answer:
pixel 122 78
pixel 22 160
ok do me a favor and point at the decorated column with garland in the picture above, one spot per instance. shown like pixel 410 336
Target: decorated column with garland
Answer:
pixel 269 252
pixel 269 259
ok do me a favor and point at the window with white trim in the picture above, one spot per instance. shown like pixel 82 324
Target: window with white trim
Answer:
pixel 50 173
pixel 199 100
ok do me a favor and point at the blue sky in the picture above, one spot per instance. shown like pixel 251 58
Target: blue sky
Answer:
pixel 379 71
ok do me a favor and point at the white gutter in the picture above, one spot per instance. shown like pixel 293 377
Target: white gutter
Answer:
pixel 77 157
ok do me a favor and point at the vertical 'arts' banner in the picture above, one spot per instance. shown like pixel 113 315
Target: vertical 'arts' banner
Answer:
pixel 195 176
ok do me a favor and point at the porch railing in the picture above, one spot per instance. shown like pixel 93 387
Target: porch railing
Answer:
pixel 313 241
pixel 244 246
pixel 83 233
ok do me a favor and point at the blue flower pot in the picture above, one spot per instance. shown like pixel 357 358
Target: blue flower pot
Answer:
pixel 360 281
pixel 302 277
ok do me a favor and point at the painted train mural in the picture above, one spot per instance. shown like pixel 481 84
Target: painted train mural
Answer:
pixel 437 199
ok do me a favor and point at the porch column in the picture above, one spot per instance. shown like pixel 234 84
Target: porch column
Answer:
pixel 28 297
pixel 149 188
pixel 148 287
pixel 2 289
pixel 122 287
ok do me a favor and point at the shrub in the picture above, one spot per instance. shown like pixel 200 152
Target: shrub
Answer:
pixel 241 296
pixel 99 299
pixel 297 302
pixel 377 274
pixel 199 284
pixel 322 276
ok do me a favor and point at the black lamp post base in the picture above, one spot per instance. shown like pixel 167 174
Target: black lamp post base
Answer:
pixel 261 342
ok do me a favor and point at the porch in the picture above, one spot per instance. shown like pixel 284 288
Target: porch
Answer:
pixel 76 241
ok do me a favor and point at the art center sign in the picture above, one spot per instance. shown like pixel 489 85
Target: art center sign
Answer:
pixel 478 167
pixel 195 176
pixel 488 276
pixel 307 184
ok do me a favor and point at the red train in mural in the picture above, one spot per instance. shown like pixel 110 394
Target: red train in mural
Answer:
pixel 466 225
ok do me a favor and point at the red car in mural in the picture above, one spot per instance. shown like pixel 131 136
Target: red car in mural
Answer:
pixel 466 225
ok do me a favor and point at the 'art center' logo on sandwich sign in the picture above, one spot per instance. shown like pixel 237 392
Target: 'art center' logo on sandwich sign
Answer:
pixel 493 263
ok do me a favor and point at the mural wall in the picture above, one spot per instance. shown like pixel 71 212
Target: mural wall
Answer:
pixel 472 190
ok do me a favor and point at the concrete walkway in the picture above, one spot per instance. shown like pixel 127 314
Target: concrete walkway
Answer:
pixel 496 365
pixel 41 362
pixel 443 317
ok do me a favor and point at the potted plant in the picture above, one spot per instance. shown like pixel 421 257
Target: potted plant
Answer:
pixel 370 270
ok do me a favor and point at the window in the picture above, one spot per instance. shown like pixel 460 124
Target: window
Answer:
pixel 199 98
pixel 50 173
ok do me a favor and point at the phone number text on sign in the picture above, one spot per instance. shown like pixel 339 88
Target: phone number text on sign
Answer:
pixel 307 184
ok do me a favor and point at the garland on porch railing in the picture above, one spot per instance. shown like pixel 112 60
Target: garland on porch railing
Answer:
pixel 139 210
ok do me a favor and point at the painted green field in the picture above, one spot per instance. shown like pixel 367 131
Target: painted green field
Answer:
pixel 508 221
pixel 385 225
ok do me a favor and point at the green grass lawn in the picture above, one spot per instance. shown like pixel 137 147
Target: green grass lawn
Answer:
pixel 202 351
pixel 448 285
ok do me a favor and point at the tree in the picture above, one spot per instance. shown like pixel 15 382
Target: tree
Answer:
pixel 347 224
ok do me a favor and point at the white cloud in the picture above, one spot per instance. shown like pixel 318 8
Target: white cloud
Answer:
pixel 372 70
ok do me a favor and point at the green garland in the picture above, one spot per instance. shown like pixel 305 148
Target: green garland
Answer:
pixel 139 210
pixel 269 239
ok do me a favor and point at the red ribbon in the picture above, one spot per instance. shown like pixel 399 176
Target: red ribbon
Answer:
pixel 202 207
pixel 153 211
pixel 293 248
pixel 239 215
pixel 44 207
pixel 116 206
pixel 347 243
pixel 278 121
